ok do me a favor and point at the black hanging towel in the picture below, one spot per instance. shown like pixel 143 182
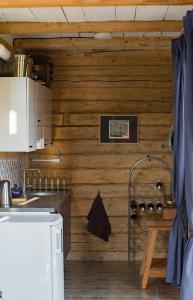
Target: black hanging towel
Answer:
pixel 99 224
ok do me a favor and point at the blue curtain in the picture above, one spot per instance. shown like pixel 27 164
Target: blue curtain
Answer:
pixel 180 253
pixel 178 235
pixel 187 277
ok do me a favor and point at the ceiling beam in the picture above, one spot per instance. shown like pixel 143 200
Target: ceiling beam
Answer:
pixel 112 26
pixel 89 44
pixel 7 45
pixel 49 3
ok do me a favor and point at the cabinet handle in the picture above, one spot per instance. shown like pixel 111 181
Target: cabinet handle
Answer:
pixel 30 146
pixel 39 121
pixel 45 144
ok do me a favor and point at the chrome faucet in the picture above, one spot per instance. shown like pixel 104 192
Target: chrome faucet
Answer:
pixel 5 193
pixel 24 179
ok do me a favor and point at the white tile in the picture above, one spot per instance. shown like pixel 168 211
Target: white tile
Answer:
pixel 74 14
pixel 124 13
pixel 151 12
pixel 106 13
pixel 18 14
pixel 128 34
pixel 177 12
pixel 87 34
pixel 171 34
pixel 117 34
pixel 49 14
pixel 70 34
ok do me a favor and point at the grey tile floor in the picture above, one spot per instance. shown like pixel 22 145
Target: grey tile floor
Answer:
pixel 112 280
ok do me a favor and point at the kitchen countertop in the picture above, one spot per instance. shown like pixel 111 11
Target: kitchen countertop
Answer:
pixel 47 202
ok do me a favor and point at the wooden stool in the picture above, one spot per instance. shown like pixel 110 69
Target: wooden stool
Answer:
pixel 153 268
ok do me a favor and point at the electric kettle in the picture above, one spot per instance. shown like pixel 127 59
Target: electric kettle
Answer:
pixel 5 193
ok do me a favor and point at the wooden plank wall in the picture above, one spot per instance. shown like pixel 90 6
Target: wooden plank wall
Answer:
pixel 86 85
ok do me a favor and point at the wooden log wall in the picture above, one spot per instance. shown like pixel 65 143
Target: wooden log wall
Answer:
pixel 86 85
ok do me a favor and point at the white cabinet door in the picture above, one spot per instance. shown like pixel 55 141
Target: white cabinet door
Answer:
pixel 13 117
pixel 50 117
pixel 57 262
pixel 47 117
pixel 31 114
pixel 25 259
pixel 40 117
pixel 43 117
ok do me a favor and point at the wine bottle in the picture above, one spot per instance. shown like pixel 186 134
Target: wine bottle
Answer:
pixel 150 206
pixel 133 212
pixel 158 206
pixel 159 185
pixel 142 206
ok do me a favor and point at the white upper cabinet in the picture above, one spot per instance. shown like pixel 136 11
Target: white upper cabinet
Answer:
pixel 22 105
pixel 31 98
pixel 40 120
pixel 44 106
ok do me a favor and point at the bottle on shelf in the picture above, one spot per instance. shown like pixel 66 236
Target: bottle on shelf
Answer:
pixel 133 211
pixel 34 182
pixel 159 184
pixel 40 183
pixel 63 183
pixel 45 181
pixel 142 206
pixel 58 183
pixel 158 206
pixel 150 206
pixel 51 181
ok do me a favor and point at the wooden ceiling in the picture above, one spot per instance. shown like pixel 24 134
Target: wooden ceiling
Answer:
pixel 61 19
pixel 53 3
pixel 130 26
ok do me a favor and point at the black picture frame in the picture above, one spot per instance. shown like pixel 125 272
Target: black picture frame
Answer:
pixel 118 129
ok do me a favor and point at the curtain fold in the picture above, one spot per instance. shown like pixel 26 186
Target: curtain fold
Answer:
pixel 187 277
pixel 178 234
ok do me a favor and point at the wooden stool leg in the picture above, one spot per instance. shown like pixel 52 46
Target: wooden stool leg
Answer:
pixel 146 266
pixel 145 255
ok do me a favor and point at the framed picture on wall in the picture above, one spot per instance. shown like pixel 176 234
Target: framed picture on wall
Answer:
pixel 118 129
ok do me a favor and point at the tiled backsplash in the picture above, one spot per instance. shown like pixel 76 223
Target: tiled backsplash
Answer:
pixel 12 166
